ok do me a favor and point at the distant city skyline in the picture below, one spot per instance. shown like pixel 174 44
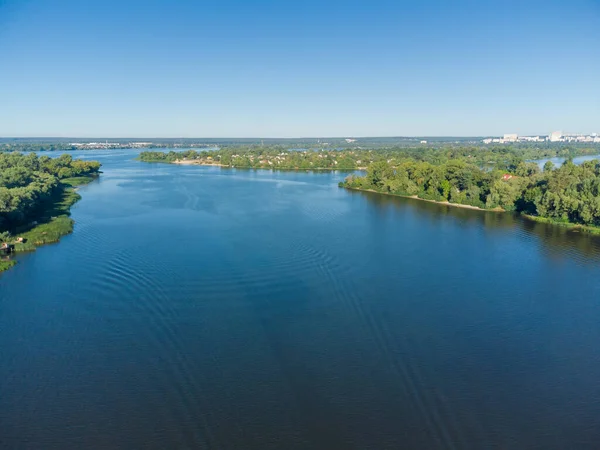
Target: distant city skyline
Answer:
pixel 347 138
pixel 256 68
pixel 555 136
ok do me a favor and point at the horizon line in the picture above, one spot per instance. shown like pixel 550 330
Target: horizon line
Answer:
pixel 282 138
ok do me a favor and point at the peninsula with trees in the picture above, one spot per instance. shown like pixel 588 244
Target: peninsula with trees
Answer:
pixel 568 195
pixel 36 194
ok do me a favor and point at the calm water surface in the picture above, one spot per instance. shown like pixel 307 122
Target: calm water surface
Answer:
pixel 195 307
pixel 559 161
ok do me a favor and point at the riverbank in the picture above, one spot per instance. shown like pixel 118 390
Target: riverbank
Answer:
pixel 570 226
pixel 52 224
pixel 226 166
pixel 6 264
pixel 416 197
pixel 187 162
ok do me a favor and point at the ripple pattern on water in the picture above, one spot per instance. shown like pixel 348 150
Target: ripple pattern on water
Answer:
pixel 197 307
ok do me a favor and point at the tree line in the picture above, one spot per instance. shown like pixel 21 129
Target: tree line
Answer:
pixel 281 157
pixel 274 157
pixel 30 184
pixel 568 194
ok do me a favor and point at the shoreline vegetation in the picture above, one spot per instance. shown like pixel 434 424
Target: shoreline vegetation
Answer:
pixel 488 179
pixel 215 164
pixel 286 158
pixel 276 158
pixel 416 197
pixel 570 226
pixel 36 195
pixel 568 196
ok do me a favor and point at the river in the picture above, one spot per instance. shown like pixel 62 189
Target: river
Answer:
pixel 199 307
pixel 558 161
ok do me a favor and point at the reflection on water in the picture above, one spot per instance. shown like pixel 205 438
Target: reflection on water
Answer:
pixel 199 307
pixel 557 242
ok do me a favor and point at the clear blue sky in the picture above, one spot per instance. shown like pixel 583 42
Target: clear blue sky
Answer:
pixel 245 68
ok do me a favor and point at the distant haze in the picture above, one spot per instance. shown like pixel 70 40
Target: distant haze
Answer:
pixel 241 68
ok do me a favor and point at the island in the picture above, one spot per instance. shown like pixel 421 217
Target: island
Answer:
pixel 36 194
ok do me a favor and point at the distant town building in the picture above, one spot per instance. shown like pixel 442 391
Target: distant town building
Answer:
pixel 350 141
pixel 423 142
pixel 555 136
pixel 530 139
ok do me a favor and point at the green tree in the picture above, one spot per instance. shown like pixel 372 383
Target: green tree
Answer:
pixel 445 189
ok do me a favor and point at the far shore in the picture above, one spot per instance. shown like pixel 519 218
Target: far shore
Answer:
pixel 192 162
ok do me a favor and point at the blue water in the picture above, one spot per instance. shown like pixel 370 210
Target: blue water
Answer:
pixel 198 307
pixel 559 161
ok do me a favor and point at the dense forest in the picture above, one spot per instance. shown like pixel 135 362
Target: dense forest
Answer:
pixel 568 194
pixel 29 185
pixel 279 157
pixel 263 158
pixel 35 146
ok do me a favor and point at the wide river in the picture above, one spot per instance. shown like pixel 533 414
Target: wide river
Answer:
pixel 198 307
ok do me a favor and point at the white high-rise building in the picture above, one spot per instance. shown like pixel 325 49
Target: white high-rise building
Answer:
pixel 555 136
pixel 510 137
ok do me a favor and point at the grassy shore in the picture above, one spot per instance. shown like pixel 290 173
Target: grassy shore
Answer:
pixel 191 162
pixel 77 181
pixel 571 226
pixel 6 264
pixel 53 223
pixel 45 233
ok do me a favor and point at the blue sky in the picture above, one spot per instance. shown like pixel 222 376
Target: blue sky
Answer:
pixel 243 68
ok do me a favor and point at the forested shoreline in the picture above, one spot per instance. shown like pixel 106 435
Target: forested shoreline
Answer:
pixel 568 195
pixel 280 157
pixel 36 194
